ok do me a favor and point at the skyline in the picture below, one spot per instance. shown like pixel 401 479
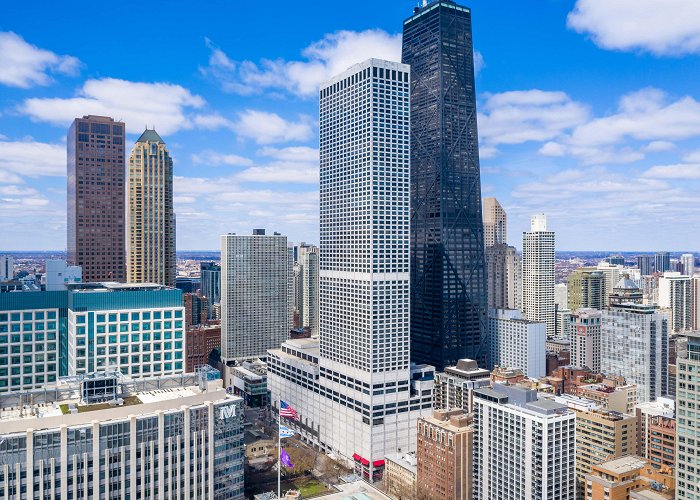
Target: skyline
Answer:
pixel 629 119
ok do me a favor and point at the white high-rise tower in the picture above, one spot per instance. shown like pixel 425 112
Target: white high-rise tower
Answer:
pixel 538 273
pixel 357 393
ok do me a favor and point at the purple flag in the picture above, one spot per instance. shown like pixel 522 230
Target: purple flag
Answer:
pixel 284 458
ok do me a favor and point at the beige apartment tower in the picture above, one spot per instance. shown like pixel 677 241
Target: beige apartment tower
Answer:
pixel 538 273
pixel 150 214
pixel 494 222
pixel 95 198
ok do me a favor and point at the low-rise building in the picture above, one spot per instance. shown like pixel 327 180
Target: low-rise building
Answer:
pixel 113 437
pixel 200 341
pixel 626 478
pixel 444 456
pixel 647 417
pixel 249 381
pixel 611 396
pixel 400 475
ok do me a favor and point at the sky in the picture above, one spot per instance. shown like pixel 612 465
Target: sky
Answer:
pixel 589 110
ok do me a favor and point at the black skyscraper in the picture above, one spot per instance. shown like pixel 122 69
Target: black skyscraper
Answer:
pixel 448 286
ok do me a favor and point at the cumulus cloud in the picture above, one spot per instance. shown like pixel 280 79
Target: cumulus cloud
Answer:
pixel 321 60
pixel 267 128
pixel 209 157
pixel 648 115
pixel 163 105
pixel 677 171
pixel 25 65
pixel 528 115
pixel 292 153
pixel 669 27
pixel 31 159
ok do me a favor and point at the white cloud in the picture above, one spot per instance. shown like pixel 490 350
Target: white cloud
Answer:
pixel 677 171
pixel 209 157
pixel 322 59
pixel 31 159
pixel 212 122
pixel 25 65
pixel 528 115
pixel 645 115
pixel 266 128
pixel 668 27
pixel 692 157
pixel 283 172
pixel 292 153
pixel 162 105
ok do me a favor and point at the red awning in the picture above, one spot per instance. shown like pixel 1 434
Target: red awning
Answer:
pixel 356 457
pixel 378 463
pixel 364 461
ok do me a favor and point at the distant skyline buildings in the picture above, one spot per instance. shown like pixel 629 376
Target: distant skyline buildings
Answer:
pixel 96 198
pixel 150 216
pixel 448 277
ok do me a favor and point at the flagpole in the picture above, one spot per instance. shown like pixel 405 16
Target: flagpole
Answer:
pixel 279 448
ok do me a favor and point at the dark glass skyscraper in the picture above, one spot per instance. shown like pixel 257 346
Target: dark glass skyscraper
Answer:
pixel 448 285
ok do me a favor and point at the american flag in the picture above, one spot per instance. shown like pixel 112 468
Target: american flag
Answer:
pixel 287 411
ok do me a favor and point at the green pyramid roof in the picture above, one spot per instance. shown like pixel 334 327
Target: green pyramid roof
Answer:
pixel 150 136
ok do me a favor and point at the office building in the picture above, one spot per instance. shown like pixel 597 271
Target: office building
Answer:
pixel 196 309
pixel 634 344
pixel 188 285
pixel 32 327
pixel 585 338
pixel 645 263
pixel 561 296
pixel 249 381
pixel 255 299
pixel 150 217
pixel 602 435
pixel 688 264
pixel 210 276
pixel 444 456
pixel 59 275
pixel 400 475
pixel 688 420
pixel 504 277
pixel 695 302
pixel 495 223
pixel 137 329
pixel 361 360
pixel 517 343
pixel 454 386
pixel 563 324
pixel 181 440
pixel 524 447
pixel 662 262
pixel 587 288
pixel 647 413
pixel 538 273
pixel 448 280
pixel 96 196
pixel 7 267
pixel 309 264
pixel 200 341
pixel 616 260
pixel 675 295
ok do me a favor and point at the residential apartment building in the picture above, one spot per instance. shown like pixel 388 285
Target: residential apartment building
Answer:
pixel 524 447
pixel 495 222
pixel 517 343
pixel 587 288
pixel 538 273
pixel 675 295
pixel 454 386
pixel 585 338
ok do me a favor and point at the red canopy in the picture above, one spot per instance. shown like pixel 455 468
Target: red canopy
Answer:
pixel 378 463
pixel 356 457
pixel 364 461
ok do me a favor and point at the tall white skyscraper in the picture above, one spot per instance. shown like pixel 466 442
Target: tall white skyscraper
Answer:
pixel 309 264
pixel 360 397
pixel 634 344
pixel 688 263
pixel 7 264
pixel 495 222
pixel 517 343
pixel 256 300
pixel 538 273
pixel 524 448
pixel 675 295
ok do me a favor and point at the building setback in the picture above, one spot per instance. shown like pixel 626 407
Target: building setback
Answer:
pixel 96 194
pixel 448 279
pixel 150 217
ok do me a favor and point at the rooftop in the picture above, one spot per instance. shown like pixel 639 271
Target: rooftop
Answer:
pixel 622 465
pixel 150 136
pixel 113 286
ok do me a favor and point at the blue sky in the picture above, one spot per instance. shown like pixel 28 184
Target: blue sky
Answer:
pixel 589 110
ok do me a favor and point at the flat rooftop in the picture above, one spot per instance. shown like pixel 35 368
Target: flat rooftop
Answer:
pixel 622 465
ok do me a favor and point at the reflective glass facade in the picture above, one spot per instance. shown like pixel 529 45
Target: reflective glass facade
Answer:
pixel 448 287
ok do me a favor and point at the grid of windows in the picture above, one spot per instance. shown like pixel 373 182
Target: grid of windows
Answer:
pixel 28 348
pixel 364 289
pixel 138 342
